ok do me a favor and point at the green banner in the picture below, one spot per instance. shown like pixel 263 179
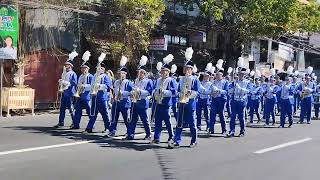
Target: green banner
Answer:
pixel 9 31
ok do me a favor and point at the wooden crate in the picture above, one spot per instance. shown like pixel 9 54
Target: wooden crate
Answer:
pixel 17 98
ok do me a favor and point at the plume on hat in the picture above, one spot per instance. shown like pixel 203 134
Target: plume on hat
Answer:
pixel 102 57
pixel 143 60
pixel 188 54
pixel 290 70
pixel 252 73
pixel 168 59
pixel 86 56
pixel 240 62
pixel 159 65
pixel 194 69
pixel 73 55
pixel 296 73
pixel 212 69
pixel 273 71
pixel 220 61
pixel 208 67
pixel 230 69
pixel 174 68
pixel 257 73
pixel 123 61
pixel 309 70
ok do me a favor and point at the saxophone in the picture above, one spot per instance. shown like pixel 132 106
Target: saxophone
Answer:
pixel 63 86
pixel 118 97
pixel 303 92
pixel 159 95
pixel 184 96
pixel 80 87
pixel 135 95
pixel 97 78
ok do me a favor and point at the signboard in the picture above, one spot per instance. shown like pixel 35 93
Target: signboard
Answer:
pixel 286 51
pixel 198 37
pixel 159 43
pixel 9 31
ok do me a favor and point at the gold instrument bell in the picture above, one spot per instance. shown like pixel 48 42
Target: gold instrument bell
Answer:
pixel 184 97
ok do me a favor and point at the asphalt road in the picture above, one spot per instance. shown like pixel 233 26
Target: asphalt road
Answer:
pixel 31 149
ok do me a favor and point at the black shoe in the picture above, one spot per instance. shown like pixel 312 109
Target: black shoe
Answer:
pixel 199 128
pixel 229 135
pixel 280 126
pixel 224 132
pixel 155 141
pixel 241 134
pixel 258 121
pixel 192 145
pixel 308 122
pixel 290 124
pixel 58 125
pixel 176 145
pixel 128 138
pixel 88 131
pixel 73 127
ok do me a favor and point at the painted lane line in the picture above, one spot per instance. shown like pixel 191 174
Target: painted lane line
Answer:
pixel 291 143
pixel 43 147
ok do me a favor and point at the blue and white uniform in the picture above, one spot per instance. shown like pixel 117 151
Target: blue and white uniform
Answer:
pixel 164 91
pixel 144 89
pixel 239 92
pixel 186 110
pixel 99 103
pixel 270 102
pixel 255 96
pixel 286 103
pixel 218 91
pixel 203 102
pixel 121 104
pixel 84 99
pixel 306 102
pixel 69 81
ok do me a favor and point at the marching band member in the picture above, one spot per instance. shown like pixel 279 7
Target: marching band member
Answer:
pixel 100 89
pixel 255 96
pixel 218 91
pixel 203 97
pixel 270 101
pixel 121 101
pixel 296 94
pixel 286 99
pixel 306 90
pixel 188 90
pixel 278 94
pixel 228 79
pixel 174 97
pixel 83 91
pixel 142 89
pixel 153 107
pixel 67 86
pixel 164 91
pixel 317 101
pixel 238 91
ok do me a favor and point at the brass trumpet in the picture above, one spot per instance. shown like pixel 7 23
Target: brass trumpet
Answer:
pixel 80 87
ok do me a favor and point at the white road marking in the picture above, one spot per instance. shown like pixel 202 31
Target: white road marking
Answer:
pixel 63 145
pixel 43 147
pixel 291 143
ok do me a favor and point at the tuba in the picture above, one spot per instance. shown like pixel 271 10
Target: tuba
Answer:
pixel 63 86
pixel 97 78
pixel 184 96
pixel 80 87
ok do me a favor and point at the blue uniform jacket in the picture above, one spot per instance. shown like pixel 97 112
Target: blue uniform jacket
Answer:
pixel 194 89
pixel 71 77
pixel 145 87
pixel 169 90
pixel 87 86
pixel 125 88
